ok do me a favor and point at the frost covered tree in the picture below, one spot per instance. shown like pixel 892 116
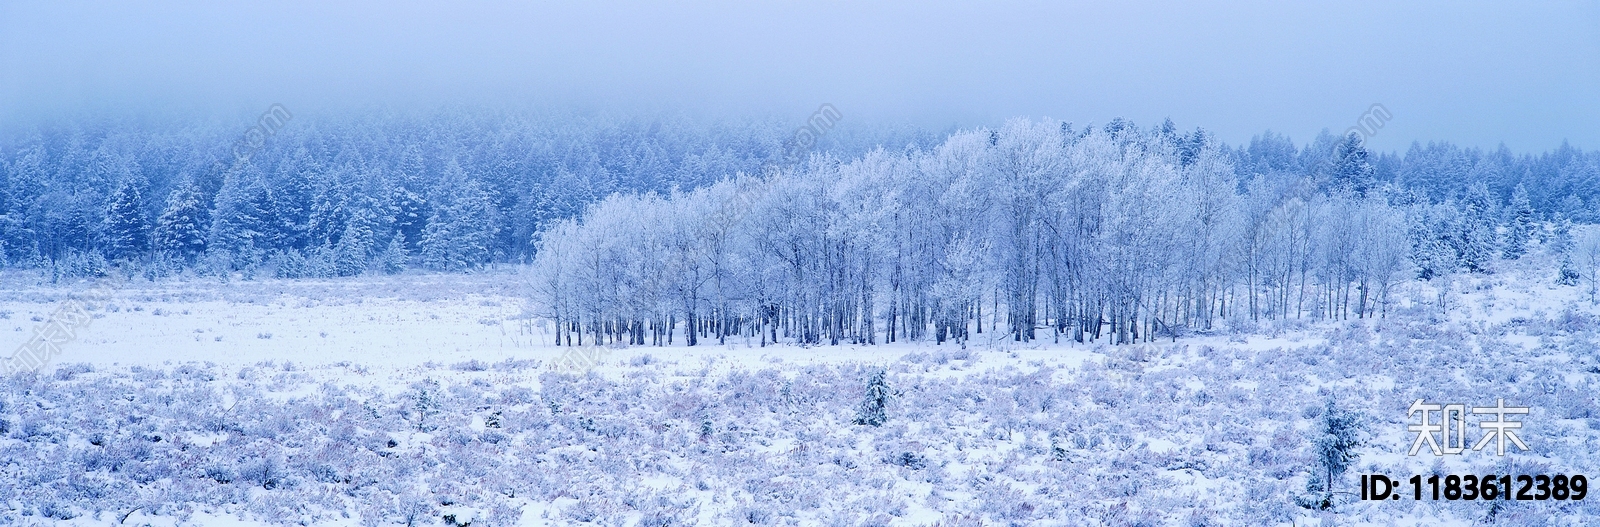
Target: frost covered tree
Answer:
pixel 874 406
pixel 243 229
pixel 1519 224
pixel 1351 169
pixel 410 216
pixel 1336 436
pixel 1587 262
pixel 127 228
pixel 1477 242
pixel 178 229
pixel 329 211
pixel 551 277
pixel 1432 241
pixel 1561 243
pixel 353 253
pixel 395 257
pixel 293 198
pixel 1379 255
pixel 460 233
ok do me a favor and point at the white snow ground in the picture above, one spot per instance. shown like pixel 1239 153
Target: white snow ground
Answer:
pixel 429 398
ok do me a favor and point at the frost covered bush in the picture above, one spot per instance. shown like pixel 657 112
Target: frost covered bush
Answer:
pixel 80 264
pixel 471 365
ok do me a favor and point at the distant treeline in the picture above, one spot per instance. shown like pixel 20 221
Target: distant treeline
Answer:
pixel 447 191
pixel 1562 183
pixel 458 190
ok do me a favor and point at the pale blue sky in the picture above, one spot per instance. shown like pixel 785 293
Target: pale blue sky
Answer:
pixel 1527 74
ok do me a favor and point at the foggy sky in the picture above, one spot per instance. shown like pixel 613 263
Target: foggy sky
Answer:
pixel 1526 74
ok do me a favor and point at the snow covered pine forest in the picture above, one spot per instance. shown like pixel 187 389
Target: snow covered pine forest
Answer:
pixel 364 322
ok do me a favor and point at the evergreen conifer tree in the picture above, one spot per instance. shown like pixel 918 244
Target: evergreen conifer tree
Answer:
pixel 394 257
pixel 1334 444
pixel 178 228
pixel 1476 241
pixel 460 234
pixel 127 229
pixel 410 216
pixel 1352 171
pixel 1519 226
pixel 355 246
pixel 242 226
pixel 874 408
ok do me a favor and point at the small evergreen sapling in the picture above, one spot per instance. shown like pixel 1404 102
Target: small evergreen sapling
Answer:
pixel 873 409
pixel 425 404
pixel 393 259
pixel 1561 244
pixel 1334 446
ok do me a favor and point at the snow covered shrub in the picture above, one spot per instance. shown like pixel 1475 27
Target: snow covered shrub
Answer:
pixel 289 264
pixel 959 520
pixel 266 472
pixel 220 473
pixel 216 263
pixel 471 365
pixel 1567 275
pixel 67 372
pixel 460 436
pixel 413 508
pixel 873 409
pixel 910 460
pixel 322 262
pixel 1575 321
pixel 159 265
pixel 75 264
pixel 57 511
pixel 938 357
pixel 755 516
pixel 587 509
pixel 515 365
pixel 502 514
pixel 1004 502
pixel 1201 517
pixel 659 519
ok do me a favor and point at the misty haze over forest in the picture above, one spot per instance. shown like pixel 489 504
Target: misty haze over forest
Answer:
pixel 1476 75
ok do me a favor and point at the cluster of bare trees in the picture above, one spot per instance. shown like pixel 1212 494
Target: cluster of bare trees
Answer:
pixel 1032 230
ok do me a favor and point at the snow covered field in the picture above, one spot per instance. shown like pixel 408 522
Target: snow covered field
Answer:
pixel 428 399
